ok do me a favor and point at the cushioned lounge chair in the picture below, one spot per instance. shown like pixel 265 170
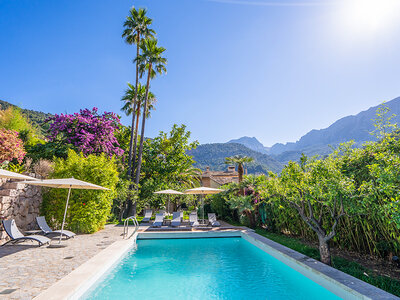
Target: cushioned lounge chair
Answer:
pixel 16 236
pixel 212 219
pixel 147 216
pixel 159 220
pixel 41 221
pixel 176 219
pixel 193 219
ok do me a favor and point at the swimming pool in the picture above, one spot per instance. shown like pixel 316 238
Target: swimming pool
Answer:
pixel 204 268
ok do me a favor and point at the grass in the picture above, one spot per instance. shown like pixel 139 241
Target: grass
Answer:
pixel 350 267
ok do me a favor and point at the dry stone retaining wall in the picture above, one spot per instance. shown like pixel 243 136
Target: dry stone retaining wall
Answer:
pixel 20 202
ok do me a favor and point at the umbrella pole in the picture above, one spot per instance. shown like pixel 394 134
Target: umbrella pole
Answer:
pixel 168 205
pixel 202 202
pixel 65 213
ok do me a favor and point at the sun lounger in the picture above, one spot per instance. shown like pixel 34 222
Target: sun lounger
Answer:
pixel 147 216
pixel 193 219
pixel 16 236
pixel 159 220
pixel 212 219
pixel 41 221
pixel 176 219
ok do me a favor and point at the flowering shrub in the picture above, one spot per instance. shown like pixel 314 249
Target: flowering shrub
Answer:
pixel 88 131
pixel 11 146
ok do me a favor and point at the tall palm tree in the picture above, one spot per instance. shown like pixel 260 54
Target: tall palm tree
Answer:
pixel 136 27
pixel 240 161
pixel 151 57
pixel 128 99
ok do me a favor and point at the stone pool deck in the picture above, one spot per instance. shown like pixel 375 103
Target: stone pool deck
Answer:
pixel 26 270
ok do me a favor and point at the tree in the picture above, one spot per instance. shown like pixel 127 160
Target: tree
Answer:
pixel 152 60
pixel 315 190
pixel 166 164
pixel 87 131
pixel 11 146
pixel 136 26
pixel 240 161
pixel 128 100
pixel 130 107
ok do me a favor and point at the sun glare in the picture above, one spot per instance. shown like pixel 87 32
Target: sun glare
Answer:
pixel 370 16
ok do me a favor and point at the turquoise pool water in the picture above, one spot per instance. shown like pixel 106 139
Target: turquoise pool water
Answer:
pixel 207 268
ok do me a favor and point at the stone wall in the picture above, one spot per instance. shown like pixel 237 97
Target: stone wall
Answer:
pixel 20 202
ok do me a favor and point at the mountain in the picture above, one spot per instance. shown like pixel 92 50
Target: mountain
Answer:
pixel 357 128
pixel 213 156
pixel 251 143
pixel 36 118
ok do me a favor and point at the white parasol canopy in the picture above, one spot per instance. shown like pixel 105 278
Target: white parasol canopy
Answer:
pixel 169 192
pixel 66 183
pixel 203 191
pixel 13 175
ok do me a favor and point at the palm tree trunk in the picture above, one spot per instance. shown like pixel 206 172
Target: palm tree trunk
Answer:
pixel 138 109
pixel 135 141
pixel 139 163
pixel 131 140
pixel 131 167
pixel 240 173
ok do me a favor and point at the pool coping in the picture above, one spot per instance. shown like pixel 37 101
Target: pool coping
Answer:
pixel 79 281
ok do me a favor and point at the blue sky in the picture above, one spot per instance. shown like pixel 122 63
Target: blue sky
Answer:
pixel 270 69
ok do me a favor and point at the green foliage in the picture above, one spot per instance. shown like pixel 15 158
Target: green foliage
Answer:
pixel 49 150
pixel 166 165
pixel 88 209
pixel 13 119
pixel 36 118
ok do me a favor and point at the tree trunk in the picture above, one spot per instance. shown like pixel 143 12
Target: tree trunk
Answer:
pixel 324 250
pixel 140 154
pixel 131 140
pixel 138 110
pixel 240 173
pixel 135 142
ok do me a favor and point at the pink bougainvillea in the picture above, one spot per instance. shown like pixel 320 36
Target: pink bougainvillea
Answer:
pixel 11 146
pixel 88 131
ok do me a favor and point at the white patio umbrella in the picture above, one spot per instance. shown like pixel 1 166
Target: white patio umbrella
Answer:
pixel 66 183
pixel 13 175
pixel 169 192
pixel 203 191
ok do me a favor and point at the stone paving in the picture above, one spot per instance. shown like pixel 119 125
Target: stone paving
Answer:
pixel 28 269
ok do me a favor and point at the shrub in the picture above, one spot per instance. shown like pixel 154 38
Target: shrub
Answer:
pixel 88 209
pixel 88 131
pixel 13 119
pixel 11 146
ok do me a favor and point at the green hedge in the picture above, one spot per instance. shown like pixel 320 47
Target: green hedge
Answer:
pixel 88 209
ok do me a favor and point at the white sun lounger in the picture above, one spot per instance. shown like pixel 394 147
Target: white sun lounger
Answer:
pixel 176 219
pixel 16 236
pixel 193 219
pixel 147 216
pixel 212 219
pixel 159 220
pixel 41 221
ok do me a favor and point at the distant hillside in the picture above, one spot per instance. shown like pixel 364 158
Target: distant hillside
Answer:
pixel 355 128
pixel 251 143
pixel 213 155
pixel 35 117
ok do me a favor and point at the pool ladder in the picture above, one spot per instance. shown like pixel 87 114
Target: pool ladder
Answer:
pixel 126 226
